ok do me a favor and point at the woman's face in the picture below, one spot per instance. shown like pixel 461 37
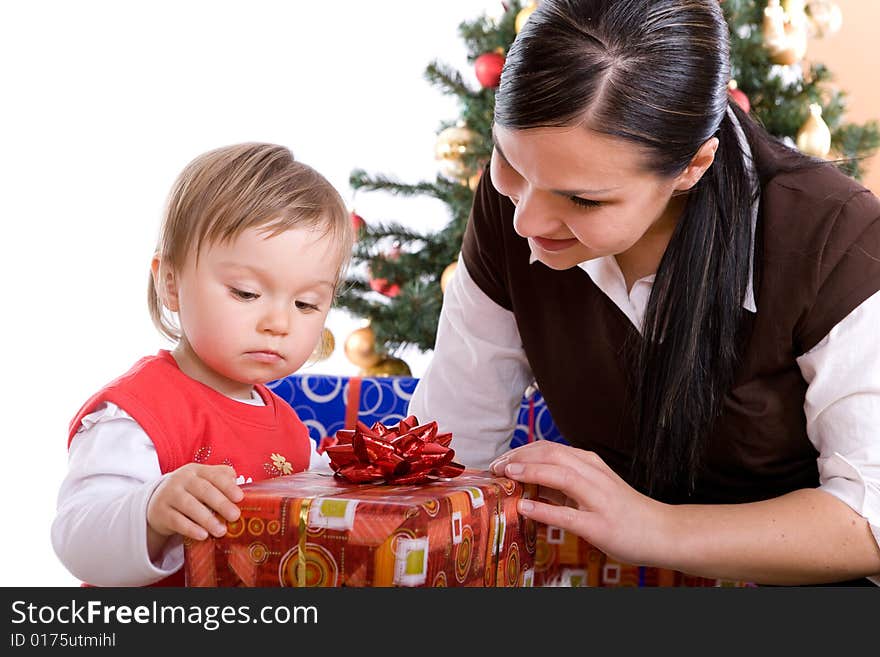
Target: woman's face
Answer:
pixel 581 195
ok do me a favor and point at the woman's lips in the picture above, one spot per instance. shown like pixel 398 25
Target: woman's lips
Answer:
pixel 553 246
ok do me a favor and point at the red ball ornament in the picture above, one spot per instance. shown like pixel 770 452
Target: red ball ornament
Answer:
pixel 739 97
pixel 382 285
pixel 357 222
pixel 488 69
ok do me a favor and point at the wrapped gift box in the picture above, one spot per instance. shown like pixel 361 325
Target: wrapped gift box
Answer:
pixel 314 529
pixel 328 403
pixel 563 559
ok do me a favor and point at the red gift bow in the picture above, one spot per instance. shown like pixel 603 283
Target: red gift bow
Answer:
pixel 406 454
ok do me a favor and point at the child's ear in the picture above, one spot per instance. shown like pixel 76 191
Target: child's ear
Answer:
pixel 699 164
pixel 165 283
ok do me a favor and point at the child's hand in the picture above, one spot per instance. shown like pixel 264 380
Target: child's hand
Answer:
pixel 185 502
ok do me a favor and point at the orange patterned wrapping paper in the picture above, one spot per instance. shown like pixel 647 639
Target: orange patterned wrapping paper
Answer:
pixel 458 532
pixel 563 559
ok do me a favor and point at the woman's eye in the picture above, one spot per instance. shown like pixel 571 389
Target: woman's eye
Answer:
pixel 244 296
pixel 584 202
pixel 308 307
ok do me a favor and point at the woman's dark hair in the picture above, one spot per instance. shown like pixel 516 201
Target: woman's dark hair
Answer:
pixel 655 73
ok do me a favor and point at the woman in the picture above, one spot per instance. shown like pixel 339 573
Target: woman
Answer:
pixel 696 302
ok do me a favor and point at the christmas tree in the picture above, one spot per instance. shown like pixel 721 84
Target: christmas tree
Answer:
pixel 399 273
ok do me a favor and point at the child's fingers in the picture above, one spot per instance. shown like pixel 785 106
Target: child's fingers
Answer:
pixel 190 493
pixel 178 523
pixel 196 510
pixel 223 478
pixel 214 499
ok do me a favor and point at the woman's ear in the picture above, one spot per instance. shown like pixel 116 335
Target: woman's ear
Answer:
pixel 165 283
pixel 699 164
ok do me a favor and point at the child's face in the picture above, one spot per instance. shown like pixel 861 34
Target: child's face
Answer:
pixel 252 310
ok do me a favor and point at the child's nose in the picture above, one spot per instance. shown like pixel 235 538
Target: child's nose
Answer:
pixel 275 320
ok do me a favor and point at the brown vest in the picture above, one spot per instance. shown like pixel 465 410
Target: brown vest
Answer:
pixel 817 257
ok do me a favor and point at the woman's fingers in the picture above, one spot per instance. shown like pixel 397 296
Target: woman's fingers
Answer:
pixel 583 485
pixel 553 496
pixel 546 451
pixel 564 517
pixel 590 500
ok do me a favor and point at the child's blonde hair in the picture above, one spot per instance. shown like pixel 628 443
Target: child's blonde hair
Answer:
pixel 228 190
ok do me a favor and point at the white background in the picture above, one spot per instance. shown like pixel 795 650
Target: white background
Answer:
pixel 103 103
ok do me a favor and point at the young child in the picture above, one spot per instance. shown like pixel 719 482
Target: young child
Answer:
pixel 252 248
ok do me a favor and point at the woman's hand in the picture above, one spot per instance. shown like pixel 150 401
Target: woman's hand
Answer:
pixel 187 500
pixel 589 500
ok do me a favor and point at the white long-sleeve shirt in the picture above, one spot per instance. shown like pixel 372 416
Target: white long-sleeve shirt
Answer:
pixel 474 334
pixel 842 372
pixel 100 529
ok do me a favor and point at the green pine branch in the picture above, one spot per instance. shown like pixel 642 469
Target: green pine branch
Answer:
pixel 360 179
pixel 856 143
pixel 447 80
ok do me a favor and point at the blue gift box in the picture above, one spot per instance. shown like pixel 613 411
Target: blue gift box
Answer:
pixel 322 401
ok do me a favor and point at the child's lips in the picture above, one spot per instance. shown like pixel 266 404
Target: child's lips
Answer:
pixel 265 356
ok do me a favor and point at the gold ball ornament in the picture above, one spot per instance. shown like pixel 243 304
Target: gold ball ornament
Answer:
pixel 814 137
pixel 785 35
pixel 326 346
pixel 794 8
pixel 388 366
pixel 826 17
pixel 360 347
pixel 446 275
pixel 474 180
pixel 452 145
pixel 798 32
pixel 773 26
pixel 523 16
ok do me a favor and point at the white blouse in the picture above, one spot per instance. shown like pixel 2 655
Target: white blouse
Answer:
pixel 842 404
pixel 474 334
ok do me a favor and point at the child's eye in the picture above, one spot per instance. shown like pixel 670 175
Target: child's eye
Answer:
pixel 584 202
pixel 308 307
pixel 244 296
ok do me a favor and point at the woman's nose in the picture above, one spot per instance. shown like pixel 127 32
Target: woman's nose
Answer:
pixel 532 217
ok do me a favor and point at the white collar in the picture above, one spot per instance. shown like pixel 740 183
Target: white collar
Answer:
pixel 254 400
